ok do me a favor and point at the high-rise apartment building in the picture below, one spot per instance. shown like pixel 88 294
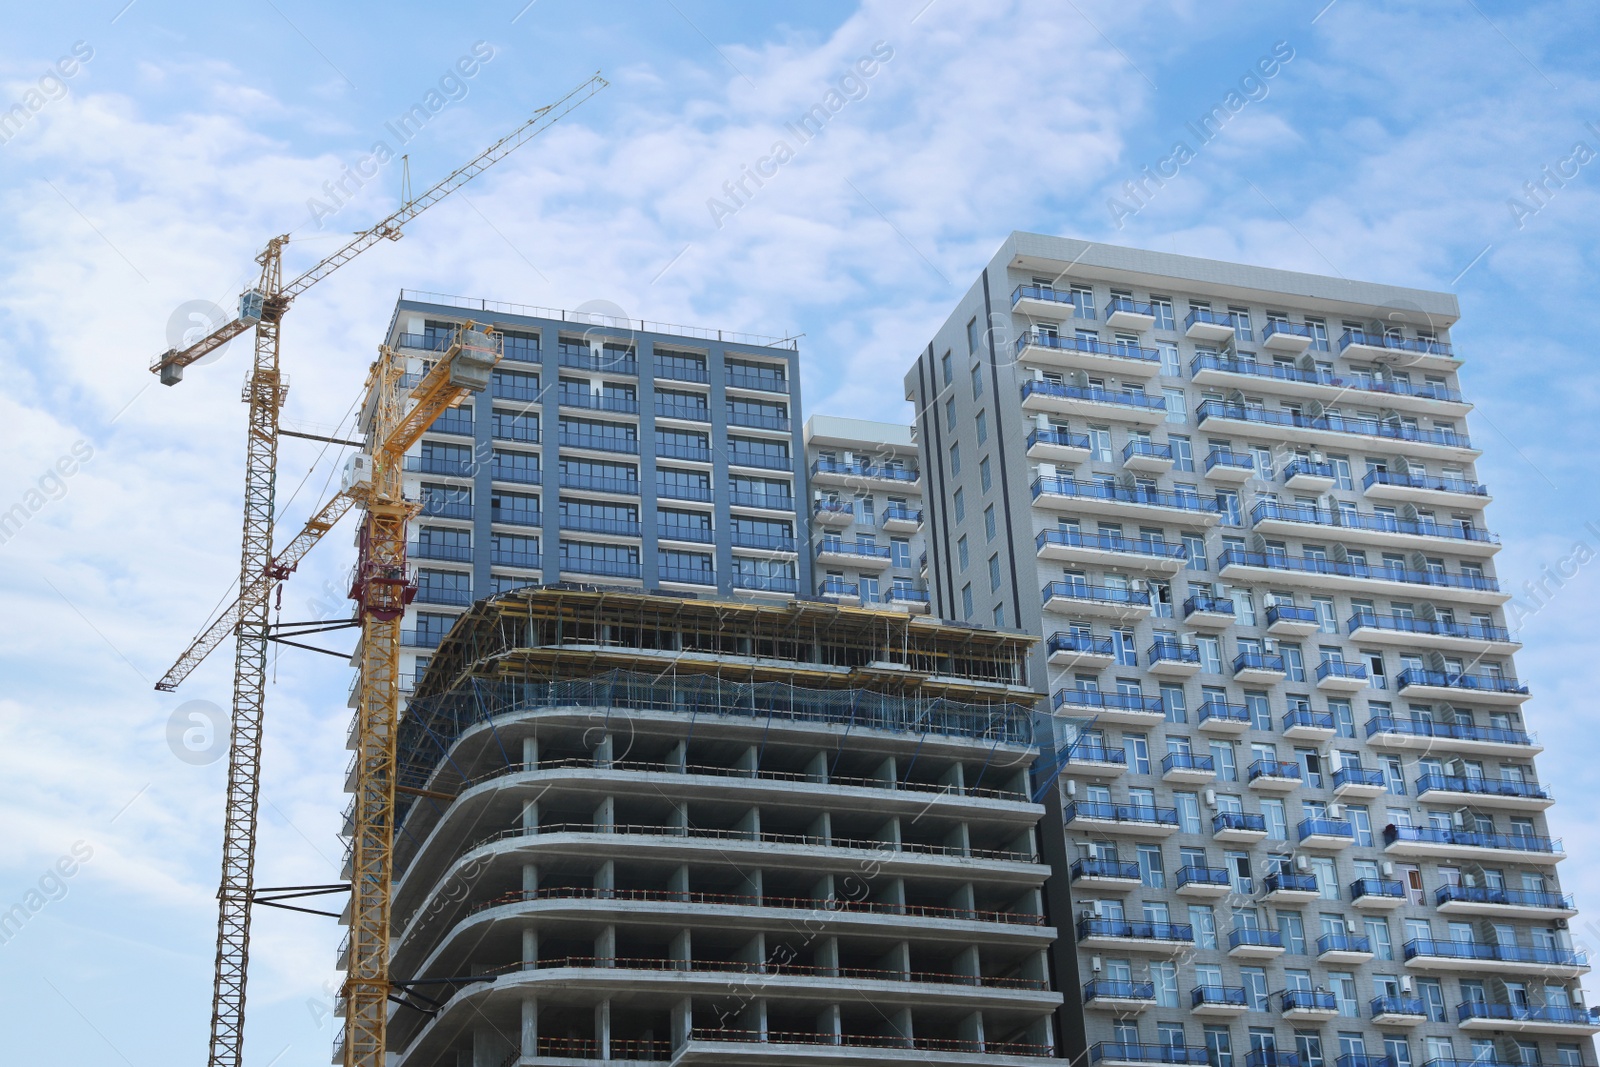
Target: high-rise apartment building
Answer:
pixel 684 829
pixel 605 450
pixel 866 513
pixel 1296 817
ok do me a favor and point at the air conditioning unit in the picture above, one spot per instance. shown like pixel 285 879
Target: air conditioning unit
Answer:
pixel 1335 811
pixel 1561 924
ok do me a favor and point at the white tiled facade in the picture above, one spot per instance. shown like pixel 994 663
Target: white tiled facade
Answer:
pixel 1298 821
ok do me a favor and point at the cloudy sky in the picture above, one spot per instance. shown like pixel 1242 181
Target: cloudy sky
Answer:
pixel 150 149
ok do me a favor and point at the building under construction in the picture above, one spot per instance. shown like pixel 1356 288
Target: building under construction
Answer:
pixel 645 826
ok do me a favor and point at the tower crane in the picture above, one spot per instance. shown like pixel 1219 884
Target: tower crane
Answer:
pixel 263 308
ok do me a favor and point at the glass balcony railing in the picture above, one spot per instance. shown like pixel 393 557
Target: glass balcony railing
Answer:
pixel 1398 1006
pixel 1224 712
pixel 1227 458
pixel 671 409
pixel 426 342
pixel 521 475
pixel 514 516
pixel 1129 306
pixel 1144 931
pixel 1259 661
pixel 1521 898
pixel 454 468
pixel 1211 605
pixel 687 575
pixel 440 551
pixel 1106 541
pixel 768 501
pixel 1311 720
pixel 1098 594
pixel 1317 565
pixel 1326 828
pixel 1146 450
pixel 1054 296
pixel 420 638
pixel 600 524
pixel 1477 950
pixel 766 383
pixel 1186 761
pixel 1088 752
pixel 837 587
pixel 1074 641
pixel 1357 776
pixel 1130 1052
pixel 1094 698
pixel 1254 937
pixel 1059 438
pixel 451 597
pixel 1213 318
pixel 1343 943
pixel 1486 683
pixel 766 583
pixel 1272 510
pixel 1211 876
pixel 683 450
pixel 1142 814
pixel 1306 1000
pixel 1394 431
pixel 1285 882
pixel 610 568
pixel 1481 786
pixel 833 507
pixel 1287 329
pixel 1422 346
pixel 1289 373
pixel 896 513
pixel 1125 494
pixel 608 361
pixel 600 483
pixel 901 595
pixel 1338 668
pixel 1386 889
pixel 1471 838
pixel 599 442
pixel 1306 468
pixel 1424 481
pixel 1271 768
pixel 591 401
pixel 1407 624
pixel 864 549
pixel 507 557
pixel 887 472
pixel 771 461
pixel 1539 1013
pixel 1167 650
pixel 1208 995
pixel 1114 989
pixel 1362 1059
pixel 1090 345
pixel 1093 393
pixel 1127 870
pixel 1238 820
pixel 682 491
pixel 1386 724
pixel 757 420
pixel 751 539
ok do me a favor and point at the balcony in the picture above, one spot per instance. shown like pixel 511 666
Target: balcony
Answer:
pixel 1207 612
pixel 1393 350
pixel 1108 875
pixel 1335 430
pixel 1147 456
pixel 1527 1019
pixel 1119 996
pixel 609 361
pixel 1303 724
pixel 1377 894
pixel 1123 501
pixel 600 483
pixel 1203 883
pixel 1075 648
pixel 1480 792
pixel 1131 708
pixel 1186 768
pixel 1093 402
pixel 1099 601
pixel 1475 956
pixel 1258 668
pixel 1218 1001
pixel 1337 676
pixel 1058 446
pixel 451 468
pixel 1358 1059
pixel 1087 354
pixel 1282 379
pixel 1238 827
pixel 1353 527
pixel 514 516
pixel 1425 489
pixel 460 426
pixel 1326 835
pixel 1423 735
pixel 1229 467
pixel 1282 336
pixel 682 490
pixel 1398 1011
pixel 839 590
pixel 1251 943
pixel 1085 759
pixel 914 601
pixel 1348 576
pixel 431 341
pixel 687 575
pixel 420 638
pixel 1273 776
pixel 1219 717
pixel 1173 659
pixel 1510 903
pixel 1471 844
pixel 1443 634
pixel 1169 939
pixel 765 583
pixel 434 507
pixel 1071 545
pixel 1286 888
pixel 521 475
pixel 757 420
pixel 1343 948
pixel 1453 687
pixel 682 411
pixel 695 535
pixel 1125 313
pixel 689 452
pixel 1043 302
pixel 833 512
pixel 761 501
pixel 592 401
pixel 1289 620
pixel 505 557
pixel 863 475
pixel 1358 783
pixel 897 519
pixel 1203 324
pixel 1135 820
pixel 600 442
pixel 1130 1054
pixel 440 551
pixel 763 461
pixel 1306 476
pixel 432 594
pixel 600 524
pixel 607 568
pixel 761 383
pixel 863 555
pixel 1305 1005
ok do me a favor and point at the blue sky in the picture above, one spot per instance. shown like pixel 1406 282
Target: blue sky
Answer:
pixel 1393 146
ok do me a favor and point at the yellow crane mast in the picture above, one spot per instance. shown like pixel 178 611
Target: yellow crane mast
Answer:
pixel 263 308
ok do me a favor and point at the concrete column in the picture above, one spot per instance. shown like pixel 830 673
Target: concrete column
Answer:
pixel 750 824
pixel 530 877
pixel 605 946
pixel 827 958
pixel 898 960
pixel 682 1022
pixel 900 1023
pixel 530 815
pixel 817 769
pixel 821 828
pixel 752 886
pixel 749 760
pixel 959 838
pixel 823 888
pixel 828 1023
pixel 972 1030
pixel 955 779
pixel 605 876
pixel 888 772
pixel 678 758
pixel 679 820
pixel 678 882
pixel 603 752
pixel 530 753
pixel 602 1027
pixel 966 964
pixel 605 815
pixel 530 945
pixel 963 898
pixel 680 950
pixel 529 1039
